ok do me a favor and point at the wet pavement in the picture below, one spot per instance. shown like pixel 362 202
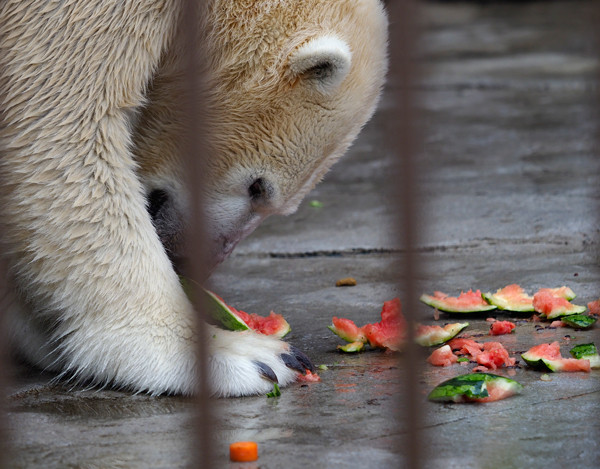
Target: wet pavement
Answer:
pixel 509 193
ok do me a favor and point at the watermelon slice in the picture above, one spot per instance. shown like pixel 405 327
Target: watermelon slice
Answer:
pixel 551 305
pixel 502 327
pixel 594 307
pixel 475 387
pixel 579 321
pixel 347 330
pixel 435 335
pixel 494 356
pixel 442 356
pixel 352 347
pixel 491 355
pixel 466 302
pixel 234 320
pixel 548 357
pixel 511 298
pixel 587 352
pixel 389 333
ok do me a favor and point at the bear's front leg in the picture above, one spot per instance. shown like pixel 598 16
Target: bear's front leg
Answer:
pixel 96 286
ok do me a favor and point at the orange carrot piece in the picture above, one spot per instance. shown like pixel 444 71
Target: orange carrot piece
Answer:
pixel 243 451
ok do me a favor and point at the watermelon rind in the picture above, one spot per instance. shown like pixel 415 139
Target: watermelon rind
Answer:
pixel 579 321
pixel 340 333
pixel 441 336
pixel 534 361
pixel 587 352
pixel 471 387
pixel 566 311
pixel 352 347
pixel 214 306
pixel 545 364
pixel 442 306
pixel 564 292
pixel 220 312
pixel 504 304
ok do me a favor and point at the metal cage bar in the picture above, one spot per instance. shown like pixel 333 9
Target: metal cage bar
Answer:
pixel 403 144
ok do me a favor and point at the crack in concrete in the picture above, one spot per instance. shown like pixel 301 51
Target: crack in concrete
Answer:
pixel 362 251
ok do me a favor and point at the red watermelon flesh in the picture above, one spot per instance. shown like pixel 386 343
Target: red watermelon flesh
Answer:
pixel 442 356
pixel 494 356
pixel 347 330
pixel 465 346
pixel 273 324
pixel 548 356
pixel 502 327
pixel 390 332
pixel 545 302
pixel 594 307
pixel 491 355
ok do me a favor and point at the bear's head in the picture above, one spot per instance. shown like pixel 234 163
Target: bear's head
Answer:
pixel 291 85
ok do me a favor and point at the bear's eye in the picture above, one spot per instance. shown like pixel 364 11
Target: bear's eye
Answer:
pixel 256 190
pixel 156 200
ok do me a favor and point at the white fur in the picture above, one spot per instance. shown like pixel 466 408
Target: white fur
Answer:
pixel 91 121
pixel 323 50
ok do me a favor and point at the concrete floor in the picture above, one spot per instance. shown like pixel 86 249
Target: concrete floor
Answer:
pixel 509 193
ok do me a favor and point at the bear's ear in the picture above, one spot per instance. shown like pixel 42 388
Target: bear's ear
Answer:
pixel 324 62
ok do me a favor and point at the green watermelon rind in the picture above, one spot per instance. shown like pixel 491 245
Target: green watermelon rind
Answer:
pixel 471 386
pixel 545 364
pixel 562 312
pixel 352 347
pixel 505 305
pixel 220 312
pixel 441 306
pixel 579 321
pixel 456 329
pixel 570 294
pixel 587 352
pixel 345 337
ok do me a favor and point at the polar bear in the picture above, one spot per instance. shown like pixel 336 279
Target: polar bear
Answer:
pixel 92 189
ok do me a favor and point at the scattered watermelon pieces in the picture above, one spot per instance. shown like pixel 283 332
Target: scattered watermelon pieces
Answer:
pixel 548 357
pixel 466 302
pixel 308 377
pixel 352 347
pixel 502 327
pixel 489 355
pixel 552 305
pixel 429 336
pixel 578 321
pixel 346 329
pixel 237 320
pixel 594 307
pixel 494 356
pixel 475 387
pixel 511 298
pixel 588 352
pixel 442 356
pixel 389 333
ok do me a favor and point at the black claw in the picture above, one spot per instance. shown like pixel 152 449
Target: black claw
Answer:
pixel 302 358
pixel 292 362
pixel 266 371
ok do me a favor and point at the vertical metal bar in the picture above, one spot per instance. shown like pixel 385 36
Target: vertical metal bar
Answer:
pixel 195 156
pixel 5 300
pixel 404 143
